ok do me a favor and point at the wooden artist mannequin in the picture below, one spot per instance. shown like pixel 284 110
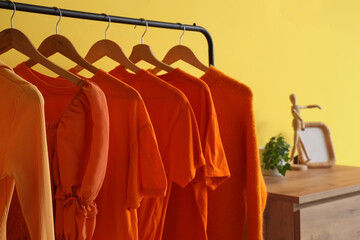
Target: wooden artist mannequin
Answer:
pixel 298 125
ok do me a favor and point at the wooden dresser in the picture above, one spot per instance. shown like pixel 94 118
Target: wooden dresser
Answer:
pixel 322 204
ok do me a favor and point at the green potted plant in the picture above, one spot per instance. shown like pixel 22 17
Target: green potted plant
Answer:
pixel 276 157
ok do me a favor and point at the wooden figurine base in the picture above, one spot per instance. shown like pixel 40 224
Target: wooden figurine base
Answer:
pixel 299 167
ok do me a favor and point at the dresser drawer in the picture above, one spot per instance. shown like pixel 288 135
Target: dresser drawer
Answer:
pixel 332 219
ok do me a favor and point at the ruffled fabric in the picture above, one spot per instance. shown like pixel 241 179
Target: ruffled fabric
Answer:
pixel 82 142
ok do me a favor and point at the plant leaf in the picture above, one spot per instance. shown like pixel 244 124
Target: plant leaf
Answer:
pixel 276 154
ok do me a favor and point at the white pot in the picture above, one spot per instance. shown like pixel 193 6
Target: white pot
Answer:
pixel 270 172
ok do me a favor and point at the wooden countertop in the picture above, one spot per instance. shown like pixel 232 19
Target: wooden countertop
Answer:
pixel 314 184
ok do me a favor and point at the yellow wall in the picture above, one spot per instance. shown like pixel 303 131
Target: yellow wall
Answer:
pixel 310 48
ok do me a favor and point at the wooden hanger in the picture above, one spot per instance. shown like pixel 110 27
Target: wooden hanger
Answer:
pixel 108 48
pixel 60 44
pixel 181 52
pixel 144 52
pixel 14 39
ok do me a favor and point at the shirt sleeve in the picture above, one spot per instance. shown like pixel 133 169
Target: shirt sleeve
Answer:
pixel 146 174
pixel 28 164
pixel 82 144
pixel 216 169
pixel 184 148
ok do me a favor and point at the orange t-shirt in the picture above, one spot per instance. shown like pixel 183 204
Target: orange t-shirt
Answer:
pixel 241 199
pixel 23 155
pixel 135 168
pixel 186 217
pixel 77 125
pixel 178 138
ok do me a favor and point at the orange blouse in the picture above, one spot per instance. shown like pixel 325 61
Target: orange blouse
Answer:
pixel 135 169
pixel 241 199
pixel 77 124
pixel 23 155
pixel 186 217
pixel 178 138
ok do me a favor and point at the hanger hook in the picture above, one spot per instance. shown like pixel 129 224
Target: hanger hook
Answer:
pixel 12 16
pixel 60 16
pixel 147 25
pixel 107 25
pixel 182 34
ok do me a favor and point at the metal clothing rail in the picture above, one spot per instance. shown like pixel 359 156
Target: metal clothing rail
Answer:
pixel 116 19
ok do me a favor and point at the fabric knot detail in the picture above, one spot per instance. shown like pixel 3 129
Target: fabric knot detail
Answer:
pixel 73 202
pixel 73 217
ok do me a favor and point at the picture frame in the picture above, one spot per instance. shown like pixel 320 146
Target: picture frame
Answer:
pixel 316 140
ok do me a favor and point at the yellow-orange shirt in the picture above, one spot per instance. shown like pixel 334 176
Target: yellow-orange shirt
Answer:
pixel 23 155
pixel 178 138
pixel 242 198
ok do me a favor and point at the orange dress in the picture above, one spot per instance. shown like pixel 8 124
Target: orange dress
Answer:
pixel 23 155
pixel 186 217
pixel 241 199
pixel 178 138
pixel 135 169
pixel 77 125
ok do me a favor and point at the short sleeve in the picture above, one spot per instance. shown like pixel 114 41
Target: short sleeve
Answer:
pixel 184 148
pixel 146 174
pixel 28 164
pixel 216 170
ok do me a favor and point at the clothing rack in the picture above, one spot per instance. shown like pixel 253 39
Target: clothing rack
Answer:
pixel 114 19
